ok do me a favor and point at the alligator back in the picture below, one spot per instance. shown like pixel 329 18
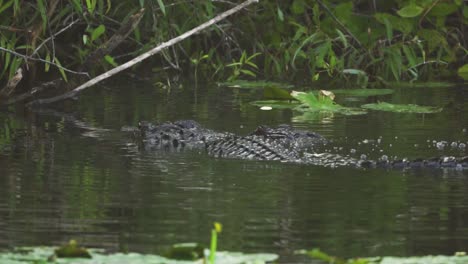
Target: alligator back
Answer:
pixel 250 147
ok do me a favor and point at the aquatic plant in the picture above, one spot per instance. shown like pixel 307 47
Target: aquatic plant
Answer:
pixel 402 108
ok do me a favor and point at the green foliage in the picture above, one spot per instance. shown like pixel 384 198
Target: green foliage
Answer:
pixel 401 108
pixel 245 66
pixel 295 40
pixel 463 71
pixel 320 103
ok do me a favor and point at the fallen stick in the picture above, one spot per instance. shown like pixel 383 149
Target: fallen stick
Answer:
pixel 143 56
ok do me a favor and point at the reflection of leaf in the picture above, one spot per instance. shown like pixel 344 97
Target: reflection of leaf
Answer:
pixel 363 92
pixel 254 84
pixel 276 104
pixel 401 108
pixel 311 103
pixel 273 92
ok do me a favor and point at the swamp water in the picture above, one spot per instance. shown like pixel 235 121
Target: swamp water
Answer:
pixel 76 176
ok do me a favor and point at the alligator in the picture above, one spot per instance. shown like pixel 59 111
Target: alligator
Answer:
pixel 282 143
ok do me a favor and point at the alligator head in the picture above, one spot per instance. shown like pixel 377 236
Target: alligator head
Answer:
pixel 176 135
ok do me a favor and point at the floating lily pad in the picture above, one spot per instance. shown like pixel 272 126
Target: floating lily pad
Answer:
pixel 401 108
pixel 313 103
pixel 42 255
pixel 244 84
pixel 363 92
pixel 277 104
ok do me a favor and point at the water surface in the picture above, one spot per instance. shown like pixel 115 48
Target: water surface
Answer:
pixel 76 176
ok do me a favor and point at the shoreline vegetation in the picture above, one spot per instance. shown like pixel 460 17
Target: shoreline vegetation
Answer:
pixel 48 48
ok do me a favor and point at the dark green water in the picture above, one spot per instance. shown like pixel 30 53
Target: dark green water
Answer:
pixel 76 176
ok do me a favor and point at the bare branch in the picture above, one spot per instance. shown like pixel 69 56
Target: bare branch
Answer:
pixel 145 55
pixel 54 35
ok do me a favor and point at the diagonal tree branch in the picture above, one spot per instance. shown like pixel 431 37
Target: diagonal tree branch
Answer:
pixel 144 56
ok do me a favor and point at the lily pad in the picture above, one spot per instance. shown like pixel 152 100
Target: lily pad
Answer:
pixel 402 108
pixel 313 103
pixel 42 255
pixel 244 84
pixel 277 104
pixel 363 92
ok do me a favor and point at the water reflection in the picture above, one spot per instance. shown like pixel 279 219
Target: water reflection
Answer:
pixel 77 176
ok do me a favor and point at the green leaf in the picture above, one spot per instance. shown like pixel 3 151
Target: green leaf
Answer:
pixel 89 5
pixel 443 9
pixel 403 25
pixel 342 38
pixel 5 6
pixel 110 60
pixel 62 72
pixel 77 6
pixel 85 39
pixel 280 14
pixel 248 72
pixel 298 7
pixel 42 11
pixel 355 72
pixel 97 32
pixel 162 7
pixel 47 65
pixel 388 28
pixel 463 72
pixel 410 10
